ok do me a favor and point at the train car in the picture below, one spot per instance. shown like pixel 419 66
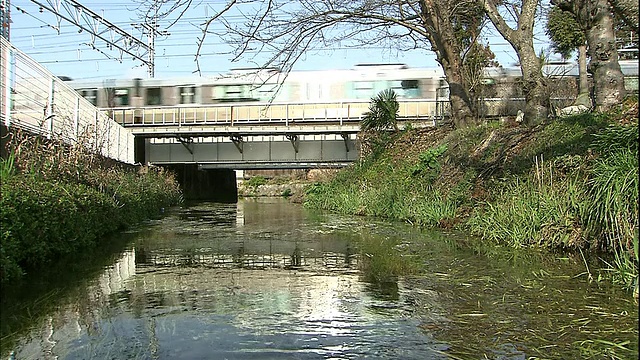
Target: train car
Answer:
pixel 248 86
pixel 260 85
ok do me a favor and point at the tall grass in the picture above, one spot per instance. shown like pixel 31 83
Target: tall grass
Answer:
pixel 7 168
pixel 542 209
pixel 570 184
pixel 57 199
pixel 382 260
pixel 401 190
pixel 573 202
pixel 613 195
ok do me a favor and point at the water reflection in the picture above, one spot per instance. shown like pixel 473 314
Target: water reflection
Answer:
pixel 264 279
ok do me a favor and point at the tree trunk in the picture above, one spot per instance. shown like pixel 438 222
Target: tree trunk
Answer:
pixel 534 86
pixel 442 38
pixel 521 39
pixel 462 109
pixel 608 78
pixel 582 70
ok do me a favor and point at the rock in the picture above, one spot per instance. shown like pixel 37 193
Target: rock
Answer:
pixel 272 190
pixel 572 110
pixel 520 116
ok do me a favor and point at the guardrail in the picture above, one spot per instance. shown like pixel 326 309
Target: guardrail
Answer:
pixel 267 113
pixel 33 99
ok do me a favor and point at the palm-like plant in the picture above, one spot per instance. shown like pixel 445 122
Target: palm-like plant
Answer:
pixel 383 112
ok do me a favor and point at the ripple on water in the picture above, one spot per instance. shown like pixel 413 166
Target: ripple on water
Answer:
pixel 272 281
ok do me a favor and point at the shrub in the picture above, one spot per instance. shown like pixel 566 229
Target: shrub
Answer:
pixel 256 181
pixel 56 200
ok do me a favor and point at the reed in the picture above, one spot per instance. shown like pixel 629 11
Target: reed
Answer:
pixel 541 209
pixel 382 260
pixel 7 168
pixel 401 190
pixel 612 216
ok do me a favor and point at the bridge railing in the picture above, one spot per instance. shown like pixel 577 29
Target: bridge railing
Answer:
pixel 267 113
pixel 35 100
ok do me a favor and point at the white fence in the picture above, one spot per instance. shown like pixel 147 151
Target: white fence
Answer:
pixel 287 114
pixel 33 99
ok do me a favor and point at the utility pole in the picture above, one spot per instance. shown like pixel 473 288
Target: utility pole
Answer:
pixel 150 31
pixel 98 27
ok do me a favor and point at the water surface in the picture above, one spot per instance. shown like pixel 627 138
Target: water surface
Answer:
pixel 266 279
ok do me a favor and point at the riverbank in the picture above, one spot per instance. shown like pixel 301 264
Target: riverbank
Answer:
pixel 570 184
pixel 57 200
pixel 289 185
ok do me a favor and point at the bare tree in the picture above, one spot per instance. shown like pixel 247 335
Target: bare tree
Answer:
pixel 284 31
pixel 150 12
pixel 521 39
pixel 595 17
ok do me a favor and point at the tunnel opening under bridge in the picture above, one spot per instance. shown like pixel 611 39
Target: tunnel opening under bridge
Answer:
pixel 217 185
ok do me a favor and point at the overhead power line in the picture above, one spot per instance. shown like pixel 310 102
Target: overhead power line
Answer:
pixel 98 27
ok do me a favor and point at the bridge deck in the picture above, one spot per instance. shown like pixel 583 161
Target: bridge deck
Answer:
pixel 261 119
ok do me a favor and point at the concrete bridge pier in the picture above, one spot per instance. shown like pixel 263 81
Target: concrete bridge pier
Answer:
pixel 210 184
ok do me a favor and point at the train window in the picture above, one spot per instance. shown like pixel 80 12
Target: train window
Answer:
pixel 91 95
pixel 234 91
pixel 396 85
pixel 363 89
pixel 121 97
pixel 187 95
pixel 409 84
pixel 314 91
pixel 154 96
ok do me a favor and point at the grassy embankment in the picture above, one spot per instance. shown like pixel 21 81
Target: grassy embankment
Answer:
pixel 569 184
pixel 57 200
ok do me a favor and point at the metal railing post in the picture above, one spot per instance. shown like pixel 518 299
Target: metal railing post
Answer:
pixel 108 139
pixel 286 111
pixel 95 130
pixel 119 152
pixel 76 118
pixel 49 108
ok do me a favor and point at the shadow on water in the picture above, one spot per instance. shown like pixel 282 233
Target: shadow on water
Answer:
pixel 265 279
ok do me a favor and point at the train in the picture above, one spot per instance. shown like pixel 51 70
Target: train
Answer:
pixel 252 86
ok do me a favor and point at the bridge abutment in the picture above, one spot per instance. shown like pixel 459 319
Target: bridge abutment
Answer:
pixel 139 153
pixel 211 184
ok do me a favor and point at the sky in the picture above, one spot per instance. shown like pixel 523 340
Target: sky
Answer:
pixel 67 53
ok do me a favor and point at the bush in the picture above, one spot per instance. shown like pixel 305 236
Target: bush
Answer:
pixel 256 181
pixel 56 200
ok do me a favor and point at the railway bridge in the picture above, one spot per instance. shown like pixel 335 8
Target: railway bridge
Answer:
pixel 204 144
pixel 256 136
pixel 213 136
